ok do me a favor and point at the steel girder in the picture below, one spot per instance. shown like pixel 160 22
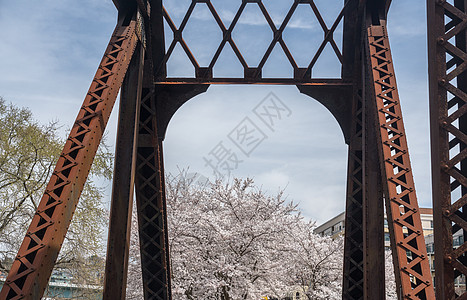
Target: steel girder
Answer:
pixel 377 94
pixel 411 264
pixel 353 281
pixel 118 244
pixel 150 201
pixel 447 54
pixel 363 276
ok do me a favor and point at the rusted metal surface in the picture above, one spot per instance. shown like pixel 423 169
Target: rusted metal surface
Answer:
pixel 447 47
pixel 363 276
pixel 353 283
pixel 373 210
pixel 33 265
pixel 407 240
pixel 275 81
pixel 151 204
pixel 116 267
pixel 124 6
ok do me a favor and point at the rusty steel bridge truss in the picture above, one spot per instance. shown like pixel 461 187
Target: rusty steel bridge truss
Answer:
pixel 364 101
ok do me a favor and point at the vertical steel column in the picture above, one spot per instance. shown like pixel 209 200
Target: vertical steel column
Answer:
pixel 353 284
pixel 403 214
pixel 447 47
pixel 33 265
pixel 150 199
pixel 373 206
pixel 116 267
pixel 364 230
pixel 353 271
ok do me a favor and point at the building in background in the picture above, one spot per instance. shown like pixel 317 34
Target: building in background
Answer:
pixel 335 227
pixel 458 240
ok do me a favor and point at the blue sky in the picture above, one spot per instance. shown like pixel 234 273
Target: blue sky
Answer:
pixel 50 51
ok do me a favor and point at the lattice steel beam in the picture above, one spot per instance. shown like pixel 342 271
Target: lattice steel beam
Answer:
pixel 251 74
pixel 447 53
pixel 353 283
pixel 118 243
pixel 364 229
pixel 373 207
pixel 150 200
pixel 407 240
pixel 36 257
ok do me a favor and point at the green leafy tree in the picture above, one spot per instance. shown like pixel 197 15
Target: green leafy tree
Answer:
pixel 28 154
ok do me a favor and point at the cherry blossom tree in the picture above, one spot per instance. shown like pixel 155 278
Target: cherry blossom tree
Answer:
pixel 315 262
pixel 391 289
pixel 134 289
pixel 232 241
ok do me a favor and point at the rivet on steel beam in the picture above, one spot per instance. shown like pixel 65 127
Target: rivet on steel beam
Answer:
pixel 447 212
pixel 442 81
pixel 441 40
pixel 444 166
pixel 449 258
